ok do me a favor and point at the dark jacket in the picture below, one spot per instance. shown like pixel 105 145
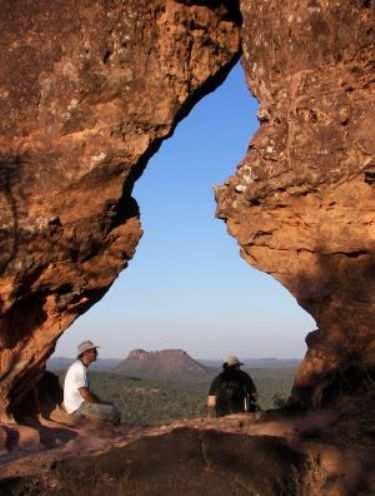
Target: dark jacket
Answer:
pixel 230 389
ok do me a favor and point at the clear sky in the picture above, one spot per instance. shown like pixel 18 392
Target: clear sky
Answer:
pixel 187 287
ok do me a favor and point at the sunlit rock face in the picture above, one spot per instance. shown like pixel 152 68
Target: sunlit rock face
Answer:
pixel 88 89
pixel 302 202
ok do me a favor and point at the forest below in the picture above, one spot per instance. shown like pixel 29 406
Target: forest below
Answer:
pixel 149 402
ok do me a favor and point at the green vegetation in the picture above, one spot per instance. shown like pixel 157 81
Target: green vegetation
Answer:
pixel 273 385
pixel 149 402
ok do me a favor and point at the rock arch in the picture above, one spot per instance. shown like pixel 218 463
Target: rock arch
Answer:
pixel 90 89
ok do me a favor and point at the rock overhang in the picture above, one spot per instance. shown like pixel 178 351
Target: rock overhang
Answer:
pixel 90 95
pixel 97 86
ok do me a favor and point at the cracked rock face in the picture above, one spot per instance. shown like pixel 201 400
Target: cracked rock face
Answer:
pixel 301 204
pixel 88 90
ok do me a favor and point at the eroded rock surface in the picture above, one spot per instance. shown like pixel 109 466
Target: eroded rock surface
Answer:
pixel 182 460
pixel 323 452
pixel 302 202
pixel 88 89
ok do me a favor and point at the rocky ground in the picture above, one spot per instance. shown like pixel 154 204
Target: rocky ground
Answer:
pixel 90 91
pixel 324 452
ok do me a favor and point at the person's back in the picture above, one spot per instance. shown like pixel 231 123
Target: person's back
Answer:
pixel 232 391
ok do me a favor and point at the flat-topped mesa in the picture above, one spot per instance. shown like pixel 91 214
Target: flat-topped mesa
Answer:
pixel 88 91
pixel 302 202
pixel 165 365
pixel 141 354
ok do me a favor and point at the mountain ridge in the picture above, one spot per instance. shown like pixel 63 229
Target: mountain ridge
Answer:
pixel 110 364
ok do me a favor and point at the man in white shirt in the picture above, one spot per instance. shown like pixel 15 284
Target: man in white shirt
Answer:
pixel 78 399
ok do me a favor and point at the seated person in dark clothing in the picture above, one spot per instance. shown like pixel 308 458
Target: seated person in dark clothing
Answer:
pixel 232 391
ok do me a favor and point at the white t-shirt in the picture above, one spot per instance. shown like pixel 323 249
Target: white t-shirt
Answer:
pixel 76 377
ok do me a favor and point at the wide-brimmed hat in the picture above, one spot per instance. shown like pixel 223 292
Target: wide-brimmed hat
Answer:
pixel 232 360
pixel 85 346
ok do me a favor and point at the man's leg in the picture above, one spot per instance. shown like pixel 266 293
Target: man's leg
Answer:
pixel 103 412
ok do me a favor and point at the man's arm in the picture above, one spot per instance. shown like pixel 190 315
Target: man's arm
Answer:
pixel 211 400
pixel 88 396
pixel 250 386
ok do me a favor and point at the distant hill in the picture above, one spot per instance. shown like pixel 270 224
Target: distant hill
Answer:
pixel 62 363
pixel 165 365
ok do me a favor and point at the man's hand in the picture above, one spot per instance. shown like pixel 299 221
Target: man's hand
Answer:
pixel 211 403
pixel 88 396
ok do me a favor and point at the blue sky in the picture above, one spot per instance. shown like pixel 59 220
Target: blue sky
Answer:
pixel 187 287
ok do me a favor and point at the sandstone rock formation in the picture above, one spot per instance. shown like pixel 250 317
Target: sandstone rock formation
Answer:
pixel 325 453
pixel 188 459
pixel 88 90
pixel 184 461
pixel 302 202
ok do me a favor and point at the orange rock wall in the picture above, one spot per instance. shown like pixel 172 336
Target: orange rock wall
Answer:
pixel 302 202
pixel 88 90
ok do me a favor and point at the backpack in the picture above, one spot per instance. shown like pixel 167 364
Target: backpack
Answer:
pixel 230 395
